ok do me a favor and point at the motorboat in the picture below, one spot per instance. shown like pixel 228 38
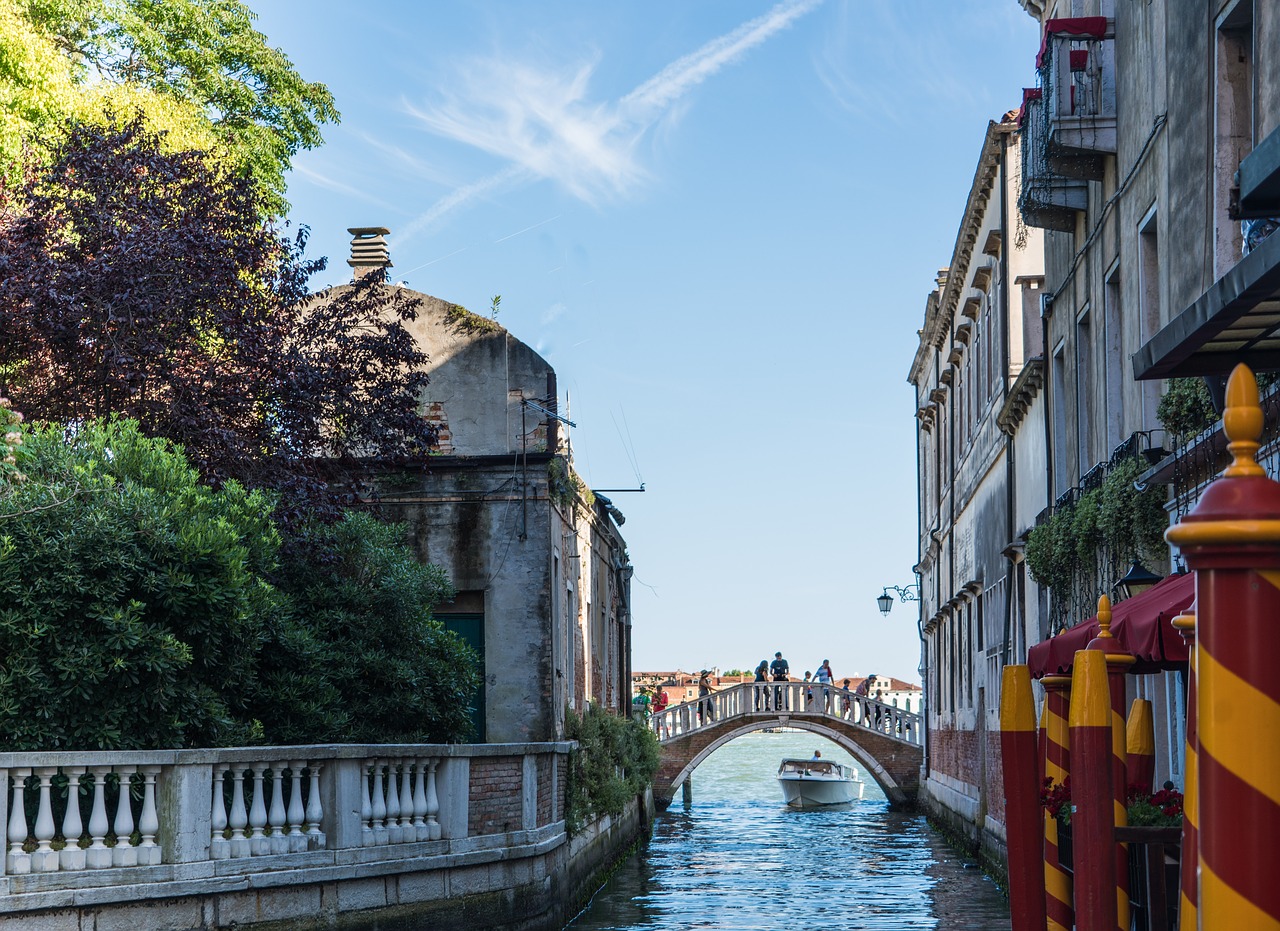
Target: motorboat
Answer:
pixel 816 782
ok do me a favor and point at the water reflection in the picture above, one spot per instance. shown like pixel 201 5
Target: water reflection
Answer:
pixel 739 859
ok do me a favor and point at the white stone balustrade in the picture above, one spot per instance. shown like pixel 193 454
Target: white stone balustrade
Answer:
pixel 57 840
pixel 783 699
pixel 399 802
pixel 258 809
pixel 77 820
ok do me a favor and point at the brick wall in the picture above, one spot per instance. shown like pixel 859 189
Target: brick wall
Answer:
pixel 995 778
pixel 955 754
pixel 546 803
pixel 496 797
pixel 435 416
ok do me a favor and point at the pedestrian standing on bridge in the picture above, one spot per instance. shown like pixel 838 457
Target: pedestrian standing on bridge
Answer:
pixel 808 692
pixel 846 701
pixel 705 710
pixel 824 678
pixel 762 691
pixel 781 672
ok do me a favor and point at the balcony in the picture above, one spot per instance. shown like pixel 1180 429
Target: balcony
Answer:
pixel 1077 68
pixel 1049 199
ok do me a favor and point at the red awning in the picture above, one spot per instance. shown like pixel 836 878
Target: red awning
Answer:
pixel 1140 624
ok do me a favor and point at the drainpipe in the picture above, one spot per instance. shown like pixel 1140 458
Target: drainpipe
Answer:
pixel 1011 473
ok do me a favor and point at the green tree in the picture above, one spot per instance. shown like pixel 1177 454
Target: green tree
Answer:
pixel 132 597
pixel 360 659
pixel 197 67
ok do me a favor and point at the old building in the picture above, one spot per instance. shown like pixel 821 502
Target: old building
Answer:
pixel 1148 135
pixel 539 564
pixel 977 374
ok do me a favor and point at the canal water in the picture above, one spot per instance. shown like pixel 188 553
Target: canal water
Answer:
pixel 738 859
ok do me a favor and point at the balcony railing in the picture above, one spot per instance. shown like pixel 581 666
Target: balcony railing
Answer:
pixel 1048 199
pixel 1078 76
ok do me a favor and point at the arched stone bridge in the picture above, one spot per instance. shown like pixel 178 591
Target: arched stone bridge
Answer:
pixel 886 740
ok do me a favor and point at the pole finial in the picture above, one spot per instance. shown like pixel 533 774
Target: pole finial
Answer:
pixel 1242 421
pixel 1104 617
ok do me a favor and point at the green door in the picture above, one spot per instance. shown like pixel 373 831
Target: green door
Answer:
pixel 470 627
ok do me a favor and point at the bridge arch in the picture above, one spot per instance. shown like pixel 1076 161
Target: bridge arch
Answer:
pixel 894 792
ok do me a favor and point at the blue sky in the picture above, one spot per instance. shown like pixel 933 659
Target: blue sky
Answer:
pixel 719 221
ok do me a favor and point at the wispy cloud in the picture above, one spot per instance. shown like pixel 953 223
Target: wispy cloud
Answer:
pixel 883 61
pixel 545 124
pixel 341 187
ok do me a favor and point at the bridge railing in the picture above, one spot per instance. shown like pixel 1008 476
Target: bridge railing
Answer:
pixel 786 699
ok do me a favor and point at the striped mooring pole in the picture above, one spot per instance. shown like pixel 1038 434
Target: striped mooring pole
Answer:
pixel 1056 747
pixel 1232 541
pixel 1140 745
pixel 1021 775
pixel 1188 903
pixel 1118 662
pixel 1093 822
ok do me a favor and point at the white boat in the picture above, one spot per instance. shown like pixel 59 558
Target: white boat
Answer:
pixel 816 782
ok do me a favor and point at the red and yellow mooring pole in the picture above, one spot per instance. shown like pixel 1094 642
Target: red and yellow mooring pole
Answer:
pixel 1188 904
pixel 1056 766
pixel 1118 662
pixel 1140 745
pixel 1232 541
pixel 1093 822
pixel 1021 799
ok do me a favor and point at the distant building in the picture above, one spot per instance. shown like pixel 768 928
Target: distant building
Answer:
pixel 539 562
pixel 977 373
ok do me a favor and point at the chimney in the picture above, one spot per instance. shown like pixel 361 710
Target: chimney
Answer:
pixel 369 254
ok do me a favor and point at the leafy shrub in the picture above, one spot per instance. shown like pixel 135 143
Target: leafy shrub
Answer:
pixel 132 597
pixel 360 658
pixel 1186 408
pixel 141 609
pixel 615 761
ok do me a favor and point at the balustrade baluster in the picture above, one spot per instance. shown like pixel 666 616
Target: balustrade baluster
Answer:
pixel 45 859
pixel 259 844
pixel 275 818
pixel 18 860
pixel 149 820
pixel 395 833
pixel 421 831
pixel 239 817
pixel 366 805
pixel 406 802
pixel 98 856
pixel 71 857
pixel 433 801
pixel 219 846
pixel 124 853
pixel 297 812
pixel 380 833
pixel 315 811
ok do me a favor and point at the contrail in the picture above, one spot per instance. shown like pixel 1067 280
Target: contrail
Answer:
pixel 526 229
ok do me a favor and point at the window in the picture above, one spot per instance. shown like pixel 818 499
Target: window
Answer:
pixel 1113 347
pixel 1061 482
pixel 1233 123
pixel 1085 451
pixel 1149 306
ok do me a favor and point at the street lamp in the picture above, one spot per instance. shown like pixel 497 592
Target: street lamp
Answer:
pixel 885 601
pixel 1136 581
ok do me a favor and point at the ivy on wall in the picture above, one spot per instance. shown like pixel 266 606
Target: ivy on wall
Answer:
pixel 615 761
pixel 1080 550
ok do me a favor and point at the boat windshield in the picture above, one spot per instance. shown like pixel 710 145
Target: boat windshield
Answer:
pixel 809 767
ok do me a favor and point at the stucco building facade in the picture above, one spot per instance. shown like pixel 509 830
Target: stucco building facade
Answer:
pixel 977 374
pixel 539 563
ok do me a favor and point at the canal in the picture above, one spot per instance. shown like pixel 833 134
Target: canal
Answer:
pixel 737 859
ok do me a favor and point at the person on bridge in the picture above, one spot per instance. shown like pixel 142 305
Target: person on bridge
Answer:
pixel 846 701
pixel 762 691
pixel 781 672
pixel 825 678
pixel 705 710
